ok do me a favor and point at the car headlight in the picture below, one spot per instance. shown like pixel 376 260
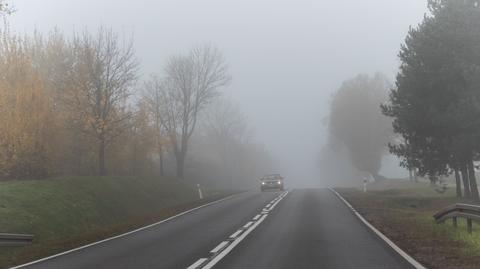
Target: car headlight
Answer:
pixel 279 182
pixel 263 183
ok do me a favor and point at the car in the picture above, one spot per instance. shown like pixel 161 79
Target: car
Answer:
pixel 271 182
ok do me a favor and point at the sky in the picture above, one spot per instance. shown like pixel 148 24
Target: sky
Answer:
pixel 286 58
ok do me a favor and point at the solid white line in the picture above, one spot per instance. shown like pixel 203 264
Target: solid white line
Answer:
pixel 281 197
pixel 402 253
pixel 256 217
pixel 248 224
pixel 219 247
pixel 124 234
pixel 235 234
pixel 197 263
pixel 232 245
pixel 227 250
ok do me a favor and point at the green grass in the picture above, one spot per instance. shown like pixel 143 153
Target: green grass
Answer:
pixel 67 212
pixel 459 234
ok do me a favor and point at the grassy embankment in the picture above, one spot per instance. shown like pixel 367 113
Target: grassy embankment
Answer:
pixel 64 213
pixel 404 212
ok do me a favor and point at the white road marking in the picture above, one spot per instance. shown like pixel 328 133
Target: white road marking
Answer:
pixel 219 247
pixel 252 225
pixel 122 235
pixel 402 253
pixel 235 234
pixel 278 201
pixel 227 250
pixel 249 227
pixel 248 224
pixel 197 263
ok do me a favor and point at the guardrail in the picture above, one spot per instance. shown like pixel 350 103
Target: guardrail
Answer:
pixel 466 211
pixel 11 240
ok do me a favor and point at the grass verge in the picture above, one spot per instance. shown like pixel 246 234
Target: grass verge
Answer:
pixel 404 213
pixel 64 213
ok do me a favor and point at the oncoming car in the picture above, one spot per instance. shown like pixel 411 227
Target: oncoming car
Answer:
pixel 269 182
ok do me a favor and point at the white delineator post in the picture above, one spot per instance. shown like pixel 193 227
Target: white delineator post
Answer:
pixel 364 185
pixel 200 194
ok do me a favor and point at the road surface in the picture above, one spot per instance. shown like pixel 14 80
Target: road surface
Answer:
pixel 308 228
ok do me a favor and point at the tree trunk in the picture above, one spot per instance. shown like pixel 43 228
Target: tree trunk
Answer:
pixel 160 159
pixel 181 155
pixel 180 165
pixel 458 183
pixel 473 181
pixel 415 175
pixel 466 184
pixel 410 174
pixel 101 158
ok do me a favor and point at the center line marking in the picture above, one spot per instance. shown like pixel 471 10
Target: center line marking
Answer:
pixel 235 234
pixel 232 245
pixel 220 251
pixel 248 224
pixel 197 263
pixel 219 247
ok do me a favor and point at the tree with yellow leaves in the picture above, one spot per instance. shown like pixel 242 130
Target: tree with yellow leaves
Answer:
pixel 104 75
pixel 27 121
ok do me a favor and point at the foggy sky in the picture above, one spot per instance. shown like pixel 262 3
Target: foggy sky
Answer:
pixel 286 57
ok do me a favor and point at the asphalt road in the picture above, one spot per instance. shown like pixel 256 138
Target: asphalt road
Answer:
pixel 308 228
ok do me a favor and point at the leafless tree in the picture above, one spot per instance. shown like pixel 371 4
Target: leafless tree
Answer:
pixel 5 8
pixel 104 75
pixel 227 128
pixel 154 100
pixel 191 82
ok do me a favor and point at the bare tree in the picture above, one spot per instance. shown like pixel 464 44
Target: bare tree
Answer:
pixel 229 132
pixel 154 100
pixel 191 82
pixel 5 8
pixel 105 73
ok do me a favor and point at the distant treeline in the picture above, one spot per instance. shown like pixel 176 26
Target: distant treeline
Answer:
pixel 75 106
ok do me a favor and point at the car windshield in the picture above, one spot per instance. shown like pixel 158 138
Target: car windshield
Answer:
pixel 272 178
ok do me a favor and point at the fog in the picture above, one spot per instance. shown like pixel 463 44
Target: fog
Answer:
pixel 286 58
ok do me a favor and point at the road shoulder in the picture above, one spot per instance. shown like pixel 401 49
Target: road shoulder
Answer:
pixel 405 215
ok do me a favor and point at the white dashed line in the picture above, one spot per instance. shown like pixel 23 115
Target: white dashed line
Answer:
pixel 197 263
pixel 219 247
pixel 248 224
pixel 227 250
pixel 225 247
pixel 235 234
pixel 122 235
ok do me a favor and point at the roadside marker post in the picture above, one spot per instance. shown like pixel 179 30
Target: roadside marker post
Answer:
pixel 200 193
pixel 364 185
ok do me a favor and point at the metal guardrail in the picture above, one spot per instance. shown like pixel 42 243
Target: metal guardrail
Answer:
pixel 466 211
pixel 11 240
